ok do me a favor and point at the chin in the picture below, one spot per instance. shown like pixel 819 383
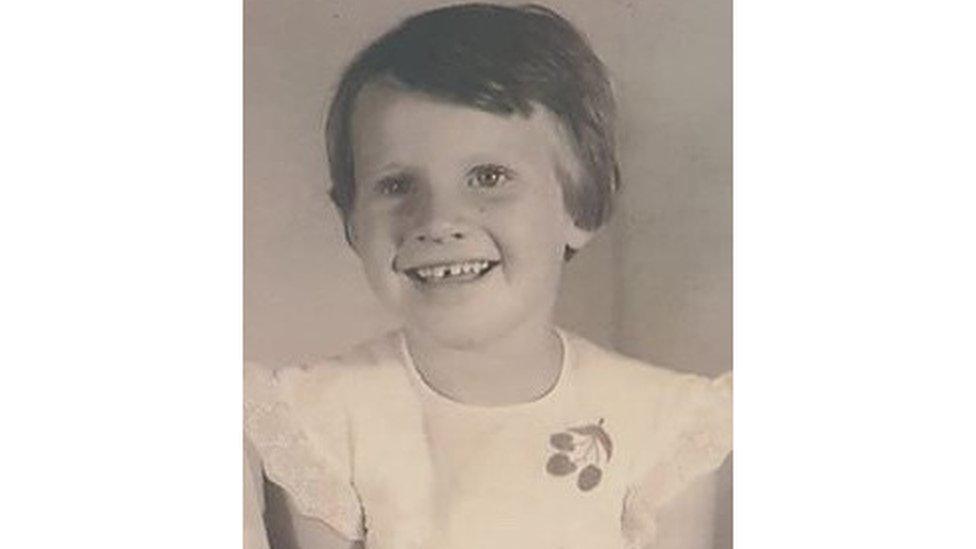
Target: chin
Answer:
pixel 464 333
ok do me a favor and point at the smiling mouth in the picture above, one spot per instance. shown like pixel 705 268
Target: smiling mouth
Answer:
pixel 459 271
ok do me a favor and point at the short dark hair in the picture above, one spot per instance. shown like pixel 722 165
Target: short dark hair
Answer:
pixel 502 60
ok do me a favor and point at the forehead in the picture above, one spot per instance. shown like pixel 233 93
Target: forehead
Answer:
pixel 391 124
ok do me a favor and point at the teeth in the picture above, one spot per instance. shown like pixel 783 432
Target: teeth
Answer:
pixel 452 269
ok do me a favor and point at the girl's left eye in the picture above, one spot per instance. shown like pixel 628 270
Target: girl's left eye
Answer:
pixel 489 176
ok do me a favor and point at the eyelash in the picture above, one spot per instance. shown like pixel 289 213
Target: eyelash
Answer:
pixel 488 176
pixel 393 186
pixel 500 174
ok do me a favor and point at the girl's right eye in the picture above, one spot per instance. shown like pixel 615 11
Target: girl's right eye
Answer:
pixel 393 186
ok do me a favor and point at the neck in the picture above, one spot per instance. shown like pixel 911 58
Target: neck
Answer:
pixel 518 367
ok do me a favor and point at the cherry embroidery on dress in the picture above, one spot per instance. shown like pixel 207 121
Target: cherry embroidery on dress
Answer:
pixel 586 446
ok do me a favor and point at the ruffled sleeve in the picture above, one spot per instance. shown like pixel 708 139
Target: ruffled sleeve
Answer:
pixel 255 535
pixel 693 439
pixel 295 420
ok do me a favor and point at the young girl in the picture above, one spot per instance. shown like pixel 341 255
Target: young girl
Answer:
pixel 472 154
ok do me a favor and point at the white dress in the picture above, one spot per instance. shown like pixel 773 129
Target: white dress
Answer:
pixel 361 443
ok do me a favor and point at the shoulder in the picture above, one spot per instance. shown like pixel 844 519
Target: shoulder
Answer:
pixel 317 399
pixel 663 407
pixel 619 374
pixel 297 418
pixel 303 384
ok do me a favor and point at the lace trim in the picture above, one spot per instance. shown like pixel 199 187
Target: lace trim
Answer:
pixel 701 443
pixel 289 457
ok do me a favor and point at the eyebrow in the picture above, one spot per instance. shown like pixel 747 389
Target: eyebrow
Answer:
pixel 386 170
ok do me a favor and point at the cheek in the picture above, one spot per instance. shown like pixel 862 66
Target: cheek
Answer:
pixel 531 244
pixel 370 230
pixel 373 236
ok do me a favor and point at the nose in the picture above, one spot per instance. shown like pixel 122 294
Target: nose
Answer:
pixel 439 219
pixel 439 237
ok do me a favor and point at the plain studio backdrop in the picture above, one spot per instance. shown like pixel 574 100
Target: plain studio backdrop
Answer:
pixel 656 283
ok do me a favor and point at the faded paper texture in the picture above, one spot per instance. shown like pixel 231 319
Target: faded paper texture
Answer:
pixel 654 284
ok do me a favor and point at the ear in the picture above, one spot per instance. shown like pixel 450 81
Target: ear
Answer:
pixel 350 236
pixel 576 237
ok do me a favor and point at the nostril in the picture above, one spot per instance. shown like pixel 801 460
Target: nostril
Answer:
pixel 439 239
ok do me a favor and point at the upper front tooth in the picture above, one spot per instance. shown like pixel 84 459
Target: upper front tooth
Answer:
pixel 453 269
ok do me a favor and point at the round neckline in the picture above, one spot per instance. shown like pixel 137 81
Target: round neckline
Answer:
pixel 551 395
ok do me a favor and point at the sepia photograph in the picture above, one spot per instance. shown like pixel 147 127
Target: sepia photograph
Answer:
pixel 487 284
pixel 441 274
pixel 438 274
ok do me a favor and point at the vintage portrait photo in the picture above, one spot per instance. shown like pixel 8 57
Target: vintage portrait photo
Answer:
pixel 444 274
pixel 487 274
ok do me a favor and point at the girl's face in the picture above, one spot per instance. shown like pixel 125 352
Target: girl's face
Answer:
pixel 459 216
